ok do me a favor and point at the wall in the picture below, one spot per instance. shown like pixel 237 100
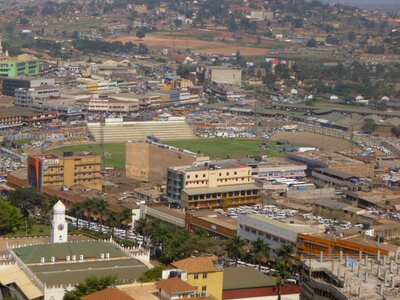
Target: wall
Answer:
pixel 214 283
pixel 291 292
pixel 149 163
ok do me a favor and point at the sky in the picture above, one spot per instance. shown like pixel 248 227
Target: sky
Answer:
pixel 383 4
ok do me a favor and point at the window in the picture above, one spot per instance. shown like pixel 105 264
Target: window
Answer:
pixel 204 288
pixel 227 173
pixel 188 177
pixel 234 173
pixel 196 276
pixel 204 175
pixel 196 176
pixel 204 275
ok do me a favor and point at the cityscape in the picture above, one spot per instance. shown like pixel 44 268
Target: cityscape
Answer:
pixel 199 149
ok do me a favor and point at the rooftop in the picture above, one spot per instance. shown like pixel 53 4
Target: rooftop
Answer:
pixel 175 285
pixel 246 277
pixel 221 189
pixel 196 264
pixel 212 165
pixel 107 294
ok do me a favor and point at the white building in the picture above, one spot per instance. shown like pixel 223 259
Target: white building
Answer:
pixel 59 226
pixel 274 233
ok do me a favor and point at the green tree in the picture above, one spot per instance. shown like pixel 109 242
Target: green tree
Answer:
pixel 286 254
pixel 369 126
pixel 113 220
pixel 235 247
pixel 90 207
pixel 10 217
pixel 282 275
pixel 28 200
pixel 312 43
pixel 100 210
pixel 153 274
pixel 396 131
pixel 10 27
pixel 140 34
pixel 90 285
pixel 260 251
pixel 78 211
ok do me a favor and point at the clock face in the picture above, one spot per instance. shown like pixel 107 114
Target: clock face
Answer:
pixel 60 227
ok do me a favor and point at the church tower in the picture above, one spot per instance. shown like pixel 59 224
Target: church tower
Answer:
pixel 59 226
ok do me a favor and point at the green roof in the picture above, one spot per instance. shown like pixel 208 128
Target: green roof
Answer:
pixel 222 189
pixel 72 273
pixel 89 249
pixel 245 278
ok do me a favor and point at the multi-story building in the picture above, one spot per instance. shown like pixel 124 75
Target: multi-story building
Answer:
pixel 275 233
pixel 150 161
pixel 67 169
pixel 146 101
pixel 204 274
pixel 112 106
pixel 21 65
pixel 211 184
pixel 275 168
pixel 223 75
pixel 9 85
pixel 36 95
pixel 18 116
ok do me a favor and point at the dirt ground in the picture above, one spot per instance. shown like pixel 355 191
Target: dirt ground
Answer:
pixel 169 42
pixel 315 140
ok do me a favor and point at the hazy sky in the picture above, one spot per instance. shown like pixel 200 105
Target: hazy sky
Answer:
pixel 389 4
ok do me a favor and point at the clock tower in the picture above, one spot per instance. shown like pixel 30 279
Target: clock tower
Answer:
pixel 59 226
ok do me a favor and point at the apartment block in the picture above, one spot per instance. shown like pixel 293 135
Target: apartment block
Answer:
pixel 211 184
pixel 67 169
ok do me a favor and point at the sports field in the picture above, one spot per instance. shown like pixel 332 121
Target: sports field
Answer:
pixel 222 148
pixel 114 153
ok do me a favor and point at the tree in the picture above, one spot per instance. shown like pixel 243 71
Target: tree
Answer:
pixel 90 206
pixel 125 217
pixel 90 285
pixel 312 43
pixel 151 275
pixel 140 34
pixel 369 126
pixel 28 200
pixel 351 36
pixel 142 227
pixel 101 209
pixel 396 131
pixel 10 217
pixel 9 27
pixel 286 253
pixel 332 40
pixel 113 220
pixel 235 247
pixel 78 211
pixel 260 251
pixel 282 275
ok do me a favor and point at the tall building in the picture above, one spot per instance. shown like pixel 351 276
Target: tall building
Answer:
pixel 9 85
pixel 67 169
pixel 211 184
pixel 150 161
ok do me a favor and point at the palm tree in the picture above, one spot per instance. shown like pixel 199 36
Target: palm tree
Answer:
pixel 90 207
pixel 286 253
pixel 78 211
pixel 282 275
pixel 260 251
pixel 126 218
pixel 101 210
pixel 113 220
pixel 235 247
pixel 142 226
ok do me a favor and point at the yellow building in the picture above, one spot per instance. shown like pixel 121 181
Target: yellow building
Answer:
pixel 212 184
pixel 203 274
pixel 67 169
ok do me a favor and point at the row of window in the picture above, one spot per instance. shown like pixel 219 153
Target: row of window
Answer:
pixel 196 275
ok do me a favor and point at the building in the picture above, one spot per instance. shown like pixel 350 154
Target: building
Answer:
pixel 336 179
pixel 211 184
pixel 350 242
pixel 274 233
pixel 149 161
pixel 341 162
pixel 146 101
pixel 111 106
pixel 17 116
pixel 67 169
pixel 248 283
pixel 46 270
pixel 36 95
pixel 108 293
pixel 9 85
pixel 175 288
pixel 214 224
pixel 223 75
pixel 348 278
pixel 204 274
pixel 270 168
pixel 21 65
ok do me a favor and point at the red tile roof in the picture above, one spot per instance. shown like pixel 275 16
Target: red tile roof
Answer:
pixel 107 294
pixel 175 285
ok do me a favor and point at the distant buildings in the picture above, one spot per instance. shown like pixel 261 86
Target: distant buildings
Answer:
pixel 64 170
pixel 223 75
pixel 211 184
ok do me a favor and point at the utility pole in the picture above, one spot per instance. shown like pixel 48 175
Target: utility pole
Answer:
pixel 102 124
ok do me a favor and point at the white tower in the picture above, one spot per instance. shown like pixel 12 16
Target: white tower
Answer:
pixel 59 226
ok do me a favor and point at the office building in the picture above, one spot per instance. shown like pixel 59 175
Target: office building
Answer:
pixel 223 75
pixel 9 85
pixel 36 96
pixel 211 184
pixel 67 169
pixel 274 233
